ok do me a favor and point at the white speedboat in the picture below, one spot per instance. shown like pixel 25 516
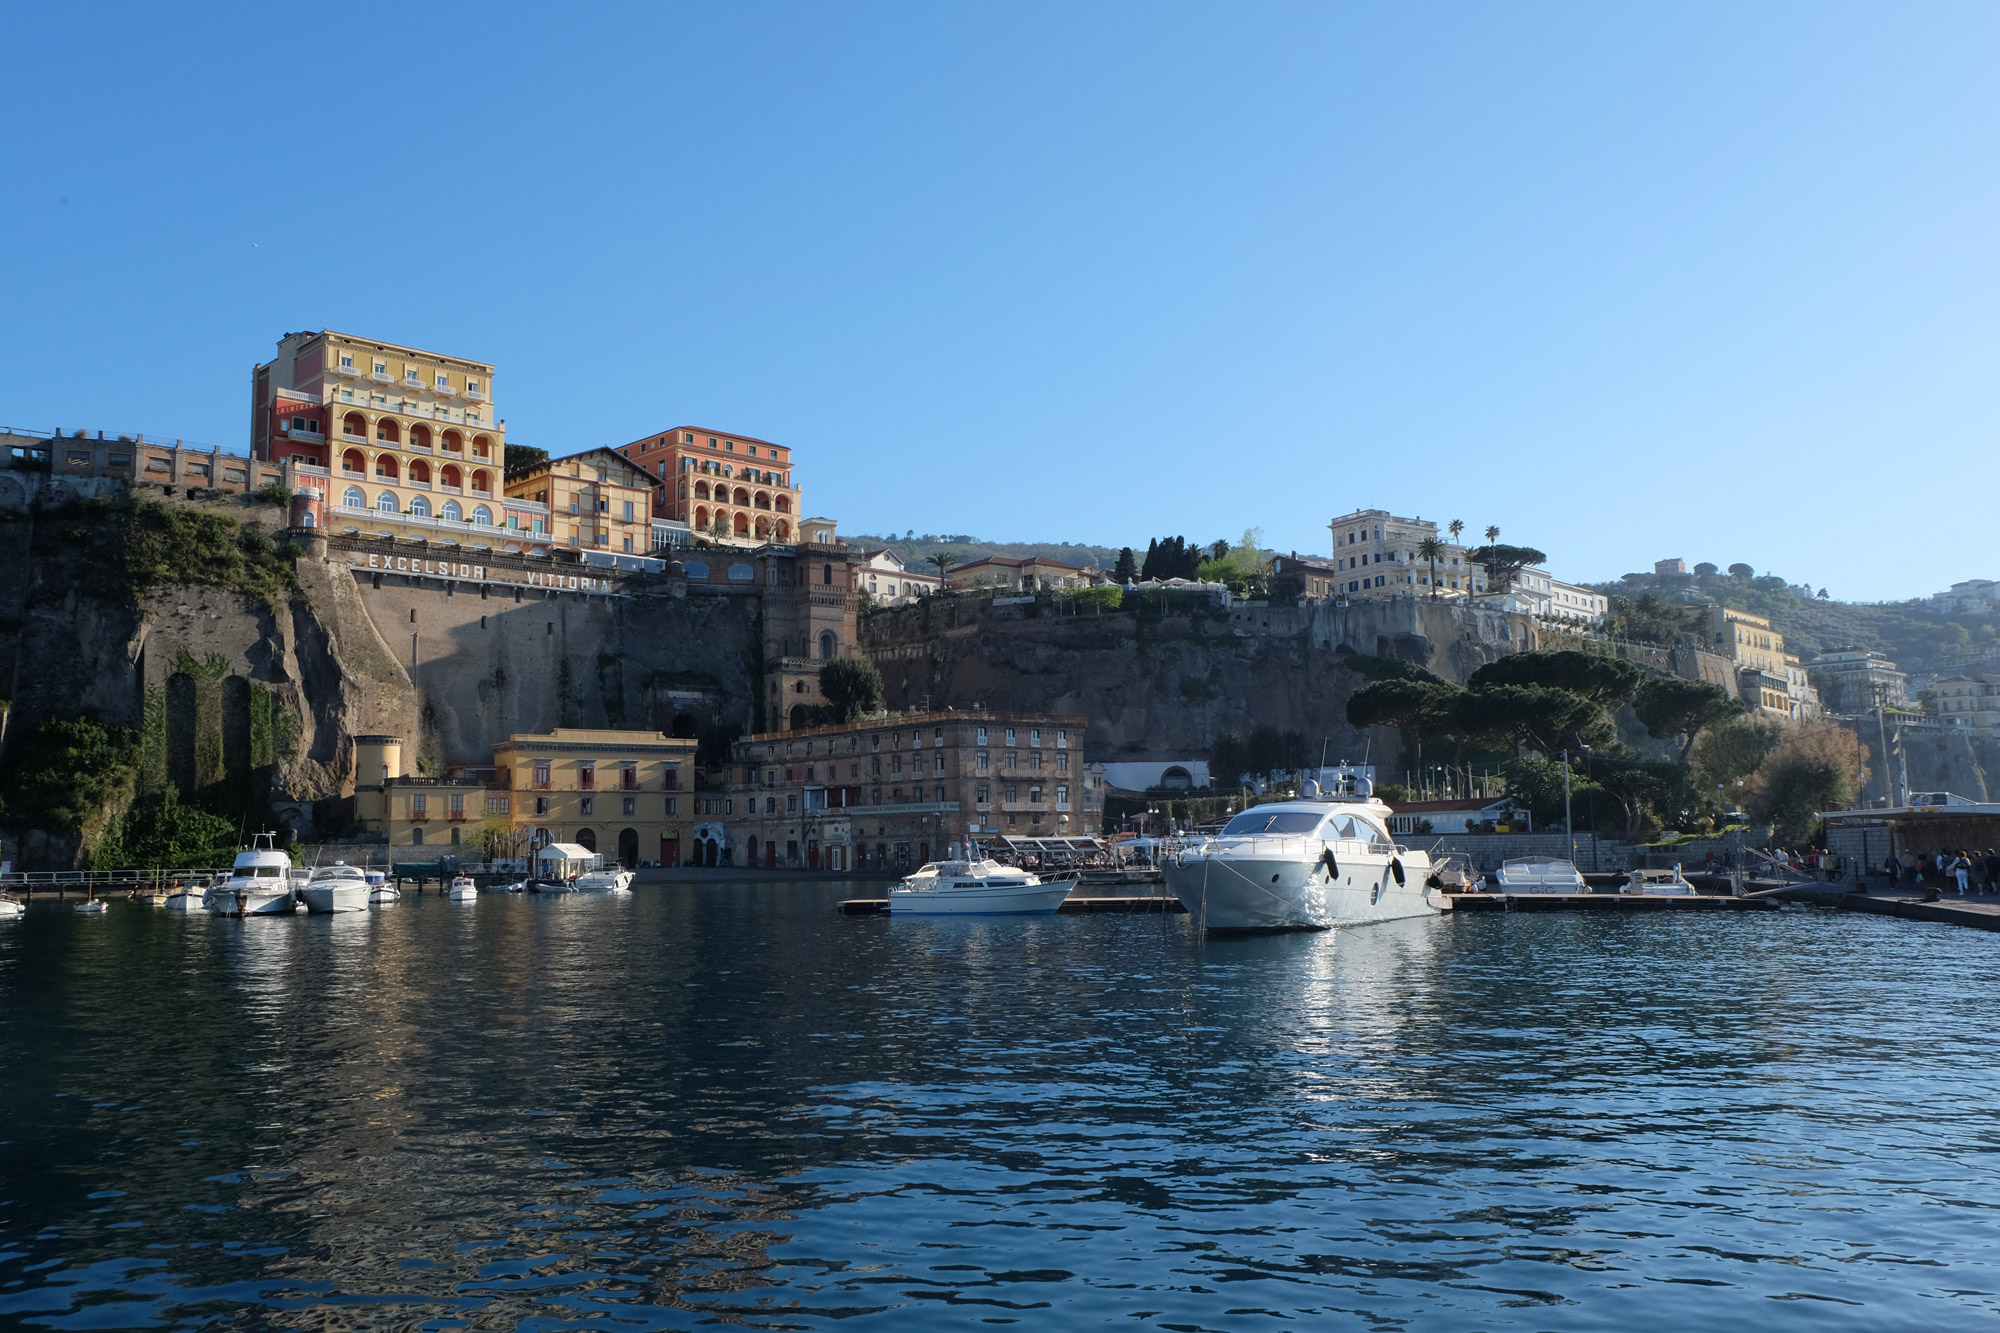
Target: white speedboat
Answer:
pixel 610 879
pixel 10 909
pixel 1306 864
pixel 463 890
pixel 380 890
pixel 1657 884
pixel 259 883
pixel 339 887
pixel 969 888
pixel 1539 874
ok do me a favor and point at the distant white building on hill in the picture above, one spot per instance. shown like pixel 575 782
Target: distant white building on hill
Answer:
pixel 1972 595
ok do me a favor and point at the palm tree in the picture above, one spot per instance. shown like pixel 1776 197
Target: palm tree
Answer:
pixel 1430 548
pixel 1492 535
pixel 1455 527
pixel 944 560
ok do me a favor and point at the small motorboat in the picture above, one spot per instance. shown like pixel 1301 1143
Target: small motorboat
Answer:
pixel 463 890
pixel 1539 874
pixel 380 891
pixel 9 909
pixel 610 879
pixel 339 887
pixel 976 888
pixel 552 886
pixel 90 903
pixel 1657 883
pixel 186 897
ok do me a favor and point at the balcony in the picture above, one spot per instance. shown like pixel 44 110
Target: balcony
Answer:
pixel 475 395
pixel 350 370
pixel 444 391
pixel 457 816
pixel 411 381
pixel 414 484
pixel 419 816
pixel 308 470
pixel 481 490
pixel 381 377
pixel 352 438
pixel 414 447
pixel 353 473
pixel 451 490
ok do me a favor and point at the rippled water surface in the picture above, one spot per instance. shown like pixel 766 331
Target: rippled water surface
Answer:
pixel 720 1103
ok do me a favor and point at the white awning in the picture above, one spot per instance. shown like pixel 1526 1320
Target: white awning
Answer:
pixel 565 851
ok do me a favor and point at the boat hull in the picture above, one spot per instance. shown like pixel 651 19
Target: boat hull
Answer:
pixel 251 902
pixel 998 900
pixel 1228 892
pixel 326 899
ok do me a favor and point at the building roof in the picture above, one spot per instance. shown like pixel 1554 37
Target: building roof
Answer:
pixel 646 479
pixel 1010 562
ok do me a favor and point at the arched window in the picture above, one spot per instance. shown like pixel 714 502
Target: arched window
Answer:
pixel 420 436
pixel 385 466
pixel 353 498
pixel 701 490
pixel 829 646
pixel 784 531
pixel 419 507
pixel 481 447
pixel 386 429
pixel 763 500
pixel 763 527
pixel 451 513
pixel 741 573
pixel 826 575
pixel 354 426
pixel 353 461
pixel 453 442
pixel 419 470
pixel 449 475
pixel 701 519
pixel 743 525
pixel 784 504
pixel 481 483
pixel 386 502
pixel 742 496
pixel 309 520
pixel 482 516
pixel 695 569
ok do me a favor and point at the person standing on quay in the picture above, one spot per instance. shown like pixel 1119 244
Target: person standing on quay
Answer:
pixel 1893 869
pixel 1961 866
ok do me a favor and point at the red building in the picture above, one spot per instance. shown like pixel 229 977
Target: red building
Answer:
pixel 701 476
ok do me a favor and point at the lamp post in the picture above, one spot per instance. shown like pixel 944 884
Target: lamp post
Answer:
pixel 1569 829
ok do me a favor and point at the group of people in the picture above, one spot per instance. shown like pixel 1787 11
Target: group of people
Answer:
pixel 1967 871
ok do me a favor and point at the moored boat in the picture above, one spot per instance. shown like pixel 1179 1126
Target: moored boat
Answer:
pixel 380 891
pixel 9 909
pixel 336 888
pixel 1657 883
pixel 1308 864
pixel 463 890
pixel 976 888
pixel 609 879
pixel 1539 874
pixel 258 884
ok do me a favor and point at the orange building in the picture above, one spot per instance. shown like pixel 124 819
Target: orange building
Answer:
pixel 734 487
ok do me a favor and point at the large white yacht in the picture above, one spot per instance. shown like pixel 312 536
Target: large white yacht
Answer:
pixel 605 879
pixel 259 883
pixel 1308 864
pixel 975 888
pixel 339 887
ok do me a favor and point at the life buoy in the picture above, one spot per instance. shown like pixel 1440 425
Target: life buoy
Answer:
pixel 1396 869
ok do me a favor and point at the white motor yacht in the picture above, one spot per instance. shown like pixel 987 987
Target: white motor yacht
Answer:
pixel 190 897
pixel 463 890
pixel 339 887
pixel 1539 874
pixel 1308 864
pixel 610 879
pixel 259 884
pixel 969 888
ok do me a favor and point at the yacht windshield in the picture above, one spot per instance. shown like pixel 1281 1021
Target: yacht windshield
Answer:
pixel 1271 821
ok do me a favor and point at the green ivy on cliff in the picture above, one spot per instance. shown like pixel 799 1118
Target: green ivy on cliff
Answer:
pixel 165 545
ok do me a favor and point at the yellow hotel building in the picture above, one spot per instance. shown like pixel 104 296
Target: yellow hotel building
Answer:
pixel 625 794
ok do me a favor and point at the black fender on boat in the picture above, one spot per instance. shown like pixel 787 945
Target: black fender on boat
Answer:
pixel 1332 866
pixel 1396 869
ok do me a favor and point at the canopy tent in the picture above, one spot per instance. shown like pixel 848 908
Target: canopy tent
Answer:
pixel 566 853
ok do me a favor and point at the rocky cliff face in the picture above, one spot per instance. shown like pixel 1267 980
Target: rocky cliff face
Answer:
pixel 1163 687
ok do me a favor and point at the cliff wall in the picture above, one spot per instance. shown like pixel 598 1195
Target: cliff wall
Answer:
pixel 1164 686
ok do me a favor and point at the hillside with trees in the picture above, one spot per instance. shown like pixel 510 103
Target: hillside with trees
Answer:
pixel 916 549
pixel 1811 620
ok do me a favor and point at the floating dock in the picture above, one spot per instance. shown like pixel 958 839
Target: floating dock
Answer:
pixel 1607 902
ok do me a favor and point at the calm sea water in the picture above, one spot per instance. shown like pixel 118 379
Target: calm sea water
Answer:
pixel 722 1103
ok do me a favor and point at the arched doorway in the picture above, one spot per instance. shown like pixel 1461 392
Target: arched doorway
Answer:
pixel 801 716
pixel 628 848
pixel 587 839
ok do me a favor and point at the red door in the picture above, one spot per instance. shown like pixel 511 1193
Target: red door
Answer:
pixel 771 854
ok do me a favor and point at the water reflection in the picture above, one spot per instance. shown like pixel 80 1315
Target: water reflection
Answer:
pixel 727 1102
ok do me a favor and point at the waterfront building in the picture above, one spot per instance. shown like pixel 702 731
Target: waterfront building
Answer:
pixel 728 486
pixel 1853 680
pixel 1968 702
pixel 1001 574
pixel 624 794
pixel 409 442
pixel 894 791
pixel 886 579
pixel 597 500
pixel 1375 555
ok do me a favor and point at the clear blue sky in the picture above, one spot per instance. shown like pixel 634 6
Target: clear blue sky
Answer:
pixel 1628 281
